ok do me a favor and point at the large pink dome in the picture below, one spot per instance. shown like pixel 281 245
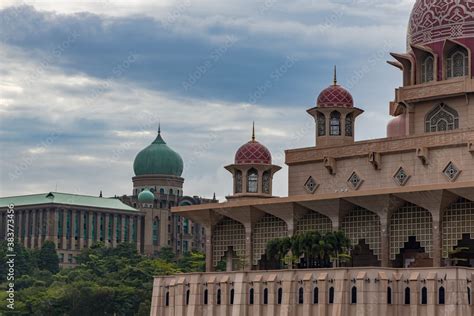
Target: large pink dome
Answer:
pixel 437 20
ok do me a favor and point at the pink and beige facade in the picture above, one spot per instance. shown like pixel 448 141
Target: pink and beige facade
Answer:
pixel 406 201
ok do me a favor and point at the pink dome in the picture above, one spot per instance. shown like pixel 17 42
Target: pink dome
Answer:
pixel 335 96
pixel 397 127
pixel 253 153
pixel 437 20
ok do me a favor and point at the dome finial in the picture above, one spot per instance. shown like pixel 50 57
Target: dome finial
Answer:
pixel 253 131
pixel 335 75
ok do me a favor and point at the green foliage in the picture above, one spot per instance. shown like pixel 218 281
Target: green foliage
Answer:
pixel 106 281
pixel 317 250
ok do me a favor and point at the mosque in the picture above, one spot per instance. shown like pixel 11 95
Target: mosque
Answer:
pixel 74 222
pixel 406 202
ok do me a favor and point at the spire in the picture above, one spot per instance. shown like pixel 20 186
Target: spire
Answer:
pixel 159 127
pixel 214 197
pixel 100 195
pixel 335 75
pixel 253 131
pixel 159 139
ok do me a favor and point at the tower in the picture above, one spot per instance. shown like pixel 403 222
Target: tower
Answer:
pixel 335 115
pixel 252 171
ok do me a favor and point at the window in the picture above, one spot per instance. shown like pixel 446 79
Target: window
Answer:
pixel 162 191
pixel 389 295
pixel 469 296
pixel 335 124
pixel 349 124
pixel 457 63
pixel 315 295
pixel 119 228
pixel 321 121
pixel 252 181
pixel 427 69
pixel 156 231
pixel 167 299
pixel 232 292
pixel 186 226
pixel 331 295
pixel 354 295
pixel 218 298
pixel 238 181
pixel 279 296
pixel 424 296
pixel 110 229
pixel 407 296
pixel 206 296
pixel 265 296
pixel 442 118
pixel 301 296
pixel 441 296
pixel 187 297
pixel 126 229
pixel 251 298
pixel 266 182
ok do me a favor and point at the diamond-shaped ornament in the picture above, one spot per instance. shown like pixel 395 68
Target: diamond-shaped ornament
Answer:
pixel 401 177
pixel 311 185
pixel 451 171
pixel 355 181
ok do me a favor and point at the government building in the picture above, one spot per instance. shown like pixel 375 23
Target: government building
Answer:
pixel 406 202
pixel 74 222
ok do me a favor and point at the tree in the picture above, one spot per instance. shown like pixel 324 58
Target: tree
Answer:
pixel 48 258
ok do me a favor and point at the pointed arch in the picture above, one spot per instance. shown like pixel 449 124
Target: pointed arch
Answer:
pixel 228 233
pixel 441 118
pixel 252 181
pixel 335 123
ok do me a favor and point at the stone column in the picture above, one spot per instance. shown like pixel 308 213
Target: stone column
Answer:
pixel 27 229
pixel 139 234
pixel 130 229
pixel 19 223
pixel 122 228
pixel 209 250
pixel 64 236
pixel 114 231
pixel 97 227
pixel 42 231
pixel 34 229
pixel 248 247
pixel 90 237
pixel 436 243
pixel 53 226
pixel 106 234
pixel 385 241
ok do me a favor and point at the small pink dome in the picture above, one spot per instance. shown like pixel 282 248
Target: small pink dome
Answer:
pixel 335 96
pixel 397 127
pixel 253 153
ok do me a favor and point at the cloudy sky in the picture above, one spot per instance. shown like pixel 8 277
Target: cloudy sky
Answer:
pixel 83 84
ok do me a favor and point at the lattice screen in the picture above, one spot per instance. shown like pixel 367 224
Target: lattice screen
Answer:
pixel 267 228
pixel 314 221
pixel 362 224
pixel 457 220
pixel 410 220
pixel 228 233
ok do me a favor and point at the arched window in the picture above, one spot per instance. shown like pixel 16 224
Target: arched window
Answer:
pixel 279 296
pixel 321 121
pixel 407 296
pixel 354 295
pixel 442 118
pixel 468 295
pixel 441 296
pixel 301 296
pixel 266 182
pixel 335 124
pixel 251 296
pixel 206 296
pixel 316 295
pixel 171 192
pixel 218 297
pixel 265 296
pixel 167 299
pixel 186 226
pixel 457 63
pixel 349 124
pixel 331 295
pixel 252 181
pixel 238 181
pixel 187 296
pixel 156 231
pixel 232 292
pixel 162 191
pixel 427 69
pixel 389 295
pixel 424 295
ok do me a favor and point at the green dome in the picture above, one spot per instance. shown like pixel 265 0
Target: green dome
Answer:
pixel 146 197
pixel 158 158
